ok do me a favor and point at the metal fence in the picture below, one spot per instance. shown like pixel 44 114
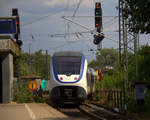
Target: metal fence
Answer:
pixel 111 98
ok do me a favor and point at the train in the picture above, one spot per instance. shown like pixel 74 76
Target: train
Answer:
pixel 71 81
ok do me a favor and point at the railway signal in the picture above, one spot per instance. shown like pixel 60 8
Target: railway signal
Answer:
pixel 99 75
pixel 15 13
pixel 98 38
pixel 16 36
pixel 32 85
pixel 98 17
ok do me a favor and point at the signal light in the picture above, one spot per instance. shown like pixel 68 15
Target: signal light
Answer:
pixel 96 12
pixel 14 12
pixel 17 22
pixel 98 38
pixel 16 36
pixel 96 24
pixel 98 16
pixel 99 75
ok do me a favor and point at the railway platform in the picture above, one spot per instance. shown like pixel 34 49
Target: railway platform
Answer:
pixel 30 111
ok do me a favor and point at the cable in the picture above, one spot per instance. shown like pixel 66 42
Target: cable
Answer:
pixel 63 45
pixel 41 18
pixel 77 8
pixel 110 21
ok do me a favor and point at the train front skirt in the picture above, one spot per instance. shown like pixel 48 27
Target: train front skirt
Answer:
pixel 68 95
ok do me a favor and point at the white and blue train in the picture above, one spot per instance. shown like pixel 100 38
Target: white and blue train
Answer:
pixel 70 79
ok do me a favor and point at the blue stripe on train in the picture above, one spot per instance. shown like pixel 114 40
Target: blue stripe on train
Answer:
pixel 81 70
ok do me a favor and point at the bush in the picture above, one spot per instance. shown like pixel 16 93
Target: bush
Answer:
pixel 23 95
pixel 113 81
pixel 131 104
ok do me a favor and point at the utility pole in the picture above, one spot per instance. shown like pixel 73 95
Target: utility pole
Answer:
pixel 136 47
pixel 123 45
pixel 125 54
pixel 121 29
pixel 125 62
pixel 128 41
pixel 29 59
pixel 47 66
pixel 119 14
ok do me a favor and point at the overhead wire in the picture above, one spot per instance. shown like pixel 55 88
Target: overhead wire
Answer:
pixel 60 46
pixel 68 24
pixel 41 18
pixel 78 5
pixel 110 20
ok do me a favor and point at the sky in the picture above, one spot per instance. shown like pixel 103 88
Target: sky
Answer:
pixel 42 26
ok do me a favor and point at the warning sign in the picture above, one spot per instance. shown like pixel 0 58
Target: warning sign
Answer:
pixel 32 85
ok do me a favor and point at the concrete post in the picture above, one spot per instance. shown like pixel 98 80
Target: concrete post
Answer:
pixel 8 50
pixel 7 77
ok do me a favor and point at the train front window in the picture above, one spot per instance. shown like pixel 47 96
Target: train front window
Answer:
pixel 68 65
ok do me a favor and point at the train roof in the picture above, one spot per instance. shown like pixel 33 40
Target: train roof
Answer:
pixel 68 53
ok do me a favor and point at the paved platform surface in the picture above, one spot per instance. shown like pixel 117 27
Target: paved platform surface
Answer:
pixel 30 111
pixel 14 112
pixel 44 112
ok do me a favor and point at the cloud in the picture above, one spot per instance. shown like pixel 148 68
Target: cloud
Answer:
pixel 34 11
pixel 51 3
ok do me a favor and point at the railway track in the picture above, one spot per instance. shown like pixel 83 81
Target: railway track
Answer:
pixel 88 111
pixel 99 113
pixel 74 114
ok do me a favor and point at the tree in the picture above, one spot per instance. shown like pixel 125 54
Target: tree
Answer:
pixel 144 64
pixel 138 14
pixel 107 57
pixel 21 66
pixel 34 63
pixel 93 64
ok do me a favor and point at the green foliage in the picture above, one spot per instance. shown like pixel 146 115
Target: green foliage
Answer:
pixel 144 64
pixel 38 99
pixel 96 97
pixel 147 102
pixel 131 103
pixel 134 107
pixel 137 12
pixel 97 85
pixel 34 63
pixel 113 80
pixel 106 57
pixel 23 95
pixel 93 64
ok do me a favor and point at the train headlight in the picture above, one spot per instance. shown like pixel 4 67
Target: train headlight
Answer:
pixel 80 95
pixel 61 78
pixel 75 78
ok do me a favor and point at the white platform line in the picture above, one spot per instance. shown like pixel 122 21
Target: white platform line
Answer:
pixel 32 115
